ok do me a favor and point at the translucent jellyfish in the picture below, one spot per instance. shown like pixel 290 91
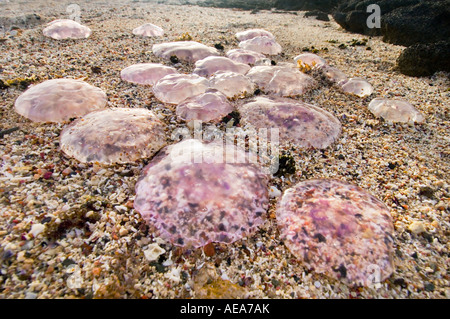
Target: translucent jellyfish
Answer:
pixel 211 106
pixel 146 73
pixel 66 29
pixel 149 30
pixel 59 100
pixel 264 45
pixel 232 84
pixel 175 88
pixel 281 80
pixel 395 111
pixel 309 61
pixel 299 123
pixel 208 66
pixel 357 86
pixel 119 135
pixel 245 56
pixel 253 33
pixel 334 75
pixel 338 229
pixel 193 194
pixel 189 51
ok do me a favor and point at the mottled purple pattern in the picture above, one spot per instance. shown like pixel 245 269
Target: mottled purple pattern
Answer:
pixel 189 51
pixel 66 29
pixel 338 229
pixel 59 100
pixel 263 44
pixel 395 111
pixel 119 135
pixel 208 66
pixel 299 123
pixel 192 204
pixel 146 73
pixel 207 107
pixel 149 30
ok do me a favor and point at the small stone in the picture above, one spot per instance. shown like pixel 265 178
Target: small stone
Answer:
pixel 274 192
pixel 153 251
pixel 36 229
pixel 416 227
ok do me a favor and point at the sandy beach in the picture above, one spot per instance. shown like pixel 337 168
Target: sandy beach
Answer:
pixel 94 244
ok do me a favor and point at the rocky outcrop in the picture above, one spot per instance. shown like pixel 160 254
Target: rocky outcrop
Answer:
pixel 425 59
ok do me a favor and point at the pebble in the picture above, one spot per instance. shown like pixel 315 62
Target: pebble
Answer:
pixel 36 229
pixel 416 227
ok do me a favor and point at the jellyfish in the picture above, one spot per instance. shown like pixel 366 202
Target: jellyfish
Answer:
pixel 358 87
pixel 233 85
pixel 189 51
pixel 59 100
pixel 210 106
pixel 245 56
pixel 309 61
pixel 299 123
pixel 111 136
pixel 209 65
pixel 395 111
pixel 66 29
pixel 337 229
pixel 175 88
pixel 149 30
pixel 146 73
pixel 253 33
pixel 194 193
pixel 261 44
pixel 281 80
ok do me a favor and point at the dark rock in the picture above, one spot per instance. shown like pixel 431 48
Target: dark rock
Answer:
pixel 425 22
pixel 403 22
pixel 306 5
pixel 425 59
pixel 319 15
pixel 21 22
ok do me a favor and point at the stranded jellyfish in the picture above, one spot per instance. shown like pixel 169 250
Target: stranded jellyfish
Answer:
pixel 245 56
pixel 59 100
pixel 233 85
pixel 395 111
pixel 334 75
pixel 282 80
pixel 119 135
pixel 357 86
pixel 189 51
pixel 195 193
pixel 174 88
pixel 149 30
pixel 146 73
pixel 253 33
pixel 337 229
pixel 66 29
pixel 299 123
pixel 309 61
pixel 263 44
pixel 208 66
pixel 211 106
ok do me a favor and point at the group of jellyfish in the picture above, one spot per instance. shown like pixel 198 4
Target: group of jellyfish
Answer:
pixel 333 227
